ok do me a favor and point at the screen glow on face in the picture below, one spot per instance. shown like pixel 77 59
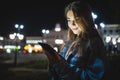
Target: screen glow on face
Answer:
pixel 72 23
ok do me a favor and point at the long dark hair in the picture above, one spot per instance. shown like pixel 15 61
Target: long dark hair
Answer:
pixel 89 33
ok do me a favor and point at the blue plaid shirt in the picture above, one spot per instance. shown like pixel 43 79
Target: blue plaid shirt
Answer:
pixel 74 67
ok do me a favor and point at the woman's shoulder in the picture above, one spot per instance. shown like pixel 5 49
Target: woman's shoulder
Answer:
pixel 95 39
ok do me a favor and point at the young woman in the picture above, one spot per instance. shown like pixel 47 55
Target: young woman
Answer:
pixel 83 55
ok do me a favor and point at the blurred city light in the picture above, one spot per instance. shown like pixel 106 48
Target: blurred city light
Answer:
pixel 57 27
pixel 44 31
pixel 94 16
pixel 102 25
pixel 108 38
pixel 19 36
pixel 59 41
pixel 19 27
pixel 1 38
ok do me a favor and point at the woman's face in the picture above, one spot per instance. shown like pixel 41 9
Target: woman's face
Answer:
pixel 72 22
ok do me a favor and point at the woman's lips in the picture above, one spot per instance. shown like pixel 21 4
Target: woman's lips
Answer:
pixel 74 28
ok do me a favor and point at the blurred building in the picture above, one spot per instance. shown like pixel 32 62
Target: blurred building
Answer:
pixel 54 37
pixel 111 37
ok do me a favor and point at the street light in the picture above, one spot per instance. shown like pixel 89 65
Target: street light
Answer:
pixel 94 16
pixel 19 27
pixel 16 37
pixel 45 32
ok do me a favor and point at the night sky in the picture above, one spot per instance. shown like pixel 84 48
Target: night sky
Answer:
pixel 39 14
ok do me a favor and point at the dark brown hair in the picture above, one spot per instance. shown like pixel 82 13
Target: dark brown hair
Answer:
pixel 89 33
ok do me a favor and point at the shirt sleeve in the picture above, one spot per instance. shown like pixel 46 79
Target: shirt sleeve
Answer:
pixel 93 71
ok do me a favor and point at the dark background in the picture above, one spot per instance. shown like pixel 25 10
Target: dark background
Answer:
pixel 39 14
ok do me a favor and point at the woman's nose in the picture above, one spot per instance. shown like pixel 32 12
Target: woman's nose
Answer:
pixel 73 23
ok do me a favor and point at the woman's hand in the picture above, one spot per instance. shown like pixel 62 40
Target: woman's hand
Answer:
pixel 53 58
pixel 48 48
pixel 51 54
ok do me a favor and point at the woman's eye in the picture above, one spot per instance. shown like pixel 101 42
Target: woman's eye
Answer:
pixel 77 18
pixel 68 20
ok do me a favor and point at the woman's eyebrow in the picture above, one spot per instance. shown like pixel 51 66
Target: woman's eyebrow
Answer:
pixel 77 17
pixel 68 18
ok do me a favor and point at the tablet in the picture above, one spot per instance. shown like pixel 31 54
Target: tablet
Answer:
pixel 48 48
